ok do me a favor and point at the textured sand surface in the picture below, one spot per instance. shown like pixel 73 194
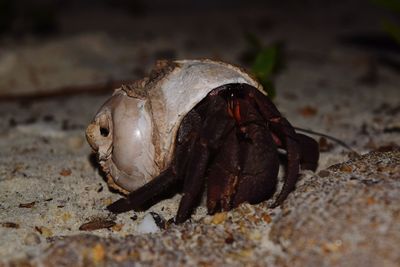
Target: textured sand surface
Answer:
pixel 343 215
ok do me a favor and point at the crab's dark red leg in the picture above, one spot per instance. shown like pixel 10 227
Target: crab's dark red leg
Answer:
pixel 258 159
pixel 256 185
pixel 194 181
pixel 216 125
pixel 309 155
pixel 223 176
pixel 140 197
pixel 246 167
pixel 285 132
pixel 186 139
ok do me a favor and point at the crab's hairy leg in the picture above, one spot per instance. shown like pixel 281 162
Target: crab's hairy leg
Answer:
pixel 285 132
pixel 223 175
pixel 140 197
pixel 254 187
pixel 186 138
pixel 258 160
pixel 168 180
pixel 216 125
pixel 309 152
pixel 280 126
pixel 194 182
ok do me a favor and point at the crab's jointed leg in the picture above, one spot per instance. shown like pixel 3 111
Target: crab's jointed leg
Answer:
pixel 143 196
pixel 246 166
pixel 216 125
pixel 258 159
pixel 285 132
pixel 309 152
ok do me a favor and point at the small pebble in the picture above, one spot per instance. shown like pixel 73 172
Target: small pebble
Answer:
pixel 32 239
pixel 100 188
pixel 98 253
pixel 308 111
pixel 266 218
pixel 219 218
pixel 96 224
pixel 9 225
pixel 323 173
pixel 65 172
pixel 27 205
pixel 346 168
pixel 332 246
pixel 117 227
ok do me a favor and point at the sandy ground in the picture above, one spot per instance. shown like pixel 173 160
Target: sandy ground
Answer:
pixel 50 185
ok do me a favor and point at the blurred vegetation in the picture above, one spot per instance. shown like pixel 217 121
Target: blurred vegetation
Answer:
pixel 265 61
pixel 389 26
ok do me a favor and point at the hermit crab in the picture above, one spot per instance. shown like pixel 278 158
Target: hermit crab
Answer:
pixel 193 126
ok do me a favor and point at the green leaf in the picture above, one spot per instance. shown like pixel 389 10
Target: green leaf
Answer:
pixel 265 62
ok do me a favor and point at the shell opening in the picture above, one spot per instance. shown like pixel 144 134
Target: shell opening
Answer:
pixel 121 134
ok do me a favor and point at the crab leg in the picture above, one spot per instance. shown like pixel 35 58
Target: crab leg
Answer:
pixel 258 160
pixel 223 176
pixel 246 167
pixel 142 196
pixel 285 132
pixel 309 149
pixel 194 182
pixel 216 125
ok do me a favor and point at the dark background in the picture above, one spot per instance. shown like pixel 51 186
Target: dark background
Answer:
pixel 208 29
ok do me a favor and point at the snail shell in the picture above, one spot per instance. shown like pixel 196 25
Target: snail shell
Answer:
pixel 134 131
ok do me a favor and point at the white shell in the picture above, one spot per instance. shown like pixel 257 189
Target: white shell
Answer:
pixel 143 118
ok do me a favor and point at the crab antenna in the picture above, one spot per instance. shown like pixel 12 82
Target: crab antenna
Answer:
pixel 340 142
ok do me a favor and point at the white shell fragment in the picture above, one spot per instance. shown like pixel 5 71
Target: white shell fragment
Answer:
pixel 148 225
pixel 134 132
